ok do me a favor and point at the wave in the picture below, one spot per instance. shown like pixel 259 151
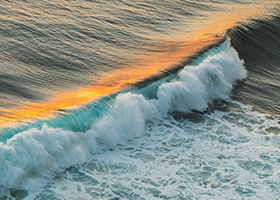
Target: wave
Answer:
pixel 46 150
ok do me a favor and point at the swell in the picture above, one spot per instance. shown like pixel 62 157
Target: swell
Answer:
pixel 258 44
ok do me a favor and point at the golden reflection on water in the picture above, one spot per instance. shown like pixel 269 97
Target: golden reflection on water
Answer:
pixel 205 32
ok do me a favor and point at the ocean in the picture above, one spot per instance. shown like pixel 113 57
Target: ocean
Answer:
pixel 104 99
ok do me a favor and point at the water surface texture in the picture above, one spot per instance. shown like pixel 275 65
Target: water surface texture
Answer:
pixel 139 99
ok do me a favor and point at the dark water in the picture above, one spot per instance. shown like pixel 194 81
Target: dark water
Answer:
pixel 203 124
pixel 259 45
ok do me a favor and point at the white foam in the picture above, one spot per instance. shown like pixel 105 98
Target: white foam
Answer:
pixel 216 158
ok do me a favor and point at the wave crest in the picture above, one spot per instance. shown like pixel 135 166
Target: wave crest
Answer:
pixel 45 152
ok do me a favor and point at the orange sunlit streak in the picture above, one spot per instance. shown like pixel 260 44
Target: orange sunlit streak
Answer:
pixel 170 54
